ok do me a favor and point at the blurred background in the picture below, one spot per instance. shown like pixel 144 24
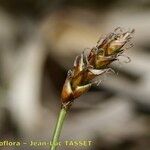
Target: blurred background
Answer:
pixel 38 43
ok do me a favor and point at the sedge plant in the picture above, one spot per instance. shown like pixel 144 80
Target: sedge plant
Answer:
pixel 86 69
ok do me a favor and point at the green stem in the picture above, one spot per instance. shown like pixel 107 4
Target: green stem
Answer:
pixel 58 128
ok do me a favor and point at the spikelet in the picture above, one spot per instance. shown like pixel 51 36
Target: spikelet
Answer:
pixel 88 66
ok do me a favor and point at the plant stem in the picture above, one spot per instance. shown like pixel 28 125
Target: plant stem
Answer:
pixel 58 128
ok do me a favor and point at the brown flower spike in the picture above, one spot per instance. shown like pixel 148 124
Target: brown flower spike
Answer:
pixel 88 66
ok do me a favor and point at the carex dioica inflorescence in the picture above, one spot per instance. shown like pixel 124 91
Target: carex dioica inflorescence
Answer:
pixel 96 63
